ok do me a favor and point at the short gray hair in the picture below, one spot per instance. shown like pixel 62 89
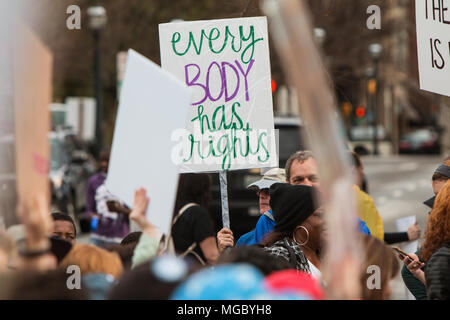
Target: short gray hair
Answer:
pixel 301 156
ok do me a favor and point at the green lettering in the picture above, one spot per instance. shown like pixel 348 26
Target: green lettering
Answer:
pixel 191 38
pixel 211 38
pixel 222 121
pixel 192 141
pixel 227 31
pixel 261 143
pixel 226 161
pixel 201 118
pixel 214 34
pixel 251 45
pixel 235 114
pixel 174 41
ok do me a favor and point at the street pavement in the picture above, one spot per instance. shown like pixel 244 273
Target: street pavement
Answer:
pixel 399 185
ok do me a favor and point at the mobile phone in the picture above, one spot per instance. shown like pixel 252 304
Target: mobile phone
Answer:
pixel 403 253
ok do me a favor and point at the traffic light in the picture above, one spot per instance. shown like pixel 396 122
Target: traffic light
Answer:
pixel 372 86
pixel 360 112
pixel 273 84
pixel 346 108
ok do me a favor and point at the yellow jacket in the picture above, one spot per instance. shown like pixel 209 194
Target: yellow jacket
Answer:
pixel 368 213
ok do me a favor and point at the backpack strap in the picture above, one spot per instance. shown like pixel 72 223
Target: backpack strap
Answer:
pixel 190 250
pixel 182 210
pixel 168 240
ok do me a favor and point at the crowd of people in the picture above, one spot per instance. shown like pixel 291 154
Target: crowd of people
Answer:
pixel 281 258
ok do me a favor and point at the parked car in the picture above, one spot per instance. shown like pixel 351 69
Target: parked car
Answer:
pixel 243 203
pixel 361 140
pixel 70 169
pixel 420 141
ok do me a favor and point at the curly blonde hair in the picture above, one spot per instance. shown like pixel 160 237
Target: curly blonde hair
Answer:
pixel 92 259
pixel 438 227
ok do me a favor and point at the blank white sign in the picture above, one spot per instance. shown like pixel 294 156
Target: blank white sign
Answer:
pixel 153 105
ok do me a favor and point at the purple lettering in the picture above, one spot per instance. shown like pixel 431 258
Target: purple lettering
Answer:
pixel 245 75
pixel 224 73
pixel 208 84
pixel 193 81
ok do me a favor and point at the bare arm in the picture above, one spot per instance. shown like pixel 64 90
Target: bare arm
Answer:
pixel 209 249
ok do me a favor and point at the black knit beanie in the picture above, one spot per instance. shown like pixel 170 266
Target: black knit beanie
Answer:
pixel 291 205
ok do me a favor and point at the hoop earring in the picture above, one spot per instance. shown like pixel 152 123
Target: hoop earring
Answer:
pixel 307 236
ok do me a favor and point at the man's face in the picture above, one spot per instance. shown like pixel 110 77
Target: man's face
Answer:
pixel 304 173
pixel 264 201
pixel 437 185
pixel 64 229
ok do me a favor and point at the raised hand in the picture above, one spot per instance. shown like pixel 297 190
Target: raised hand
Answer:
pixel 140 205
pixel 37 221
pixel 413 232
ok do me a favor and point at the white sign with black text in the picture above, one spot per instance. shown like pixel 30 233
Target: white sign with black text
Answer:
pixel 433 45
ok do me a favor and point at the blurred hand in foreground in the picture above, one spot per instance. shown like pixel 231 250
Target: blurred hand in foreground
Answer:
pixel 38 228
pixel 137 214
pixel 37 221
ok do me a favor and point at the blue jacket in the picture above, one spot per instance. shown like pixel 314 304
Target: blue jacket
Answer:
pixel 265 225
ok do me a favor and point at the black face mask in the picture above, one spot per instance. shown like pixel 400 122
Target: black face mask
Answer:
pixel 430 202
pixel 60 247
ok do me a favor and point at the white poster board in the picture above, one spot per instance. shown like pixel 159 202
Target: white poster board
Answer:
pixel 433 45
pixel 402 226
pixel 153 104
pixel 226 64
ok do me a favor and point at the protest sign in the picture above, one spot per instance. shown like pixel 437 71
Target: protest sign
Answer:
pixel 32 97
pixel 433 45
pixel 402 225
pixel 153 104
pixel 226 64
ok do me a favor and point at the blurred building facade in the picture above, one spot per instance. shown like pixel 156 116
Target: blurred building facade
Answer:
pixel 405 106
